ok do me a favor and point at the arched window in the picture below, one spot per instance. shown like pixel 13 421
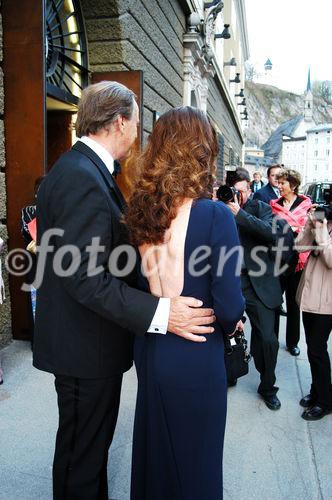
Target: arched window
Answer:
pixel 65 50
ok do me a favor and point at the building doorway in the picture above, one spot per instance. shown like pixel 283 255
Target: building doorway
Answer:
pixel 45 70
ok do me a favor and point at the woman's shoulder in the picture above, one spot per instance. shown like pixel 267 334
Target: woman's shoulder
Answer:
pixel 212 215
pixel 212 207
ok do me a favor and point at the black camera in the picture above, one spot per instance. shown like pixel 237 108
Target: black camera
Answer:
pixel 324 210
pixel 227 193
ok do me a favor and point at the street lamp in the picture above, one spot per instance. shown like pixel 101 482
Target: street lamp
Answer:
pixel 240 94
pixel 242 103
pixel 231 62
pixel 225 34
pixel 214 3
pixel 236 79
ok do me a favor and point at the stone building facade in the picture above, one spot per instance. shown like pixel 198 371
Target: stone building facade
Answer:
pixel 319 154
pixel 179 52
pixel 140 35
pixel 152 36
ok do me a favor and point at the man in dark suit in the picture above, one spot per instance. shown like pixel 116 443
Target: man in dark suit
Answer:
pixel 85 313
pixel 257 183
pixel 270 191
pixel 260 285
pixel 266 194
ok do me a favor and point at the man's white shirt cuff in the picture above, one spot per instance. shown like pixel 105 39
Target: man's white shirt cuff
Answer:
pixel 160 319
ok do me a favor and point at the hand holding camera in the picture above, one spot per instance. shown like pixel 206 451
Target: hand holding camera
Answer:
pixel 323 211
pixel 231 197
pixel 322 236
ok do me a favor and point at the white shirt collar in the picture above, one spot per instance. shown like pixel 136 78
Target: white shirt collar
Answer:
pixel 103 154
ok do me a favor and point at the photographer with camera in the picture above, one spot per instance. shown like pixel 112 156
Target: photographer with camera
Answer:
pixel 260 287
pixel 314 297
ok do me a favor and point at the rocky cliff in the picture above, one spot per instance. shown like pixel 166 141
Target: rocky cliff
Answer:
pixel 269 106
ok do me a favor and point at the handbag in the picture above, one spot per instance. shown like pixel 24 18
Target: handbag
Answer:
pixel 237 356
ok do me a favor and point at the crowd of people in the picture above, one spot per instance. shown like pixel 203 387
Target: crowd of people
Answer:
pixel 172 314
pixel 306 282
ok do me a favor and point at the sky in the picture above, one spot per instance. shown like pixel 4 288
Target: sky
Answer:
pixel 294 34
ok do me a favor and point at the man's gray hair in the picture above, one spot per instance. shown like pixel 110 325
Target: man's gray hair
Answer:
pixel 101 104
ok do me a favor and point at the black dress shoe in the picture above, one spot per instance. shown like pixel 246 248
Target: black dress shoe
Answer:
pixel 315 413
pixel 307 401
pixel 231 383
pixel 294 350
pixel 272 402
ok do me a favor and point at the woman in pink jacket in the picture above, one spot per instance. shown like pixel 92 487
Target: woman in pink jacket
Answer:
pixel 314 297
pixel 293 208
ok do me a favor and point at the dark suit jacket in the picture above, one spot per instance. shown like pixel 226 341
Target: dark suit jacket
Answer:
pixel 265 194
pixel 83 323
pixel 254 222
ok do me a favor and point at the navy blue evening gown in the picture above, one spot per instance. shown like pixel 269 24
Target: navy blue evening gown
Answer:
pixel 181 402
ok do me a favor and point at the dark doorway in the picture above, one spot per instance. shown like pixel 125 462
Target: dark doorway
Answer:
pixel 59 129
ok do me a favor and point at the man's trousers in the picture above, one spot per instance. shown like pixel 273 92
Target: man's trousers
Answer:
pixel 88 410
pixel 264 341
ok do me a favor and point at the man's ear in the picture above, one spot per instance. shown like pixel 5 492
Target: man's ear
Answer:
pixel 119 124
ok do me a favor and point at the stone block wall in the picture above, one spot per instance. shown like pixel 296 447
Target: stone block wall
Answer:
pixel 219 113
pixel 140 35
pixel 5 317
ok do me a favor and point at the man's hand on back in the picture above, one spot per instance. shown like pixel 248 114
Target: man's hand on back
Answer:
pixel 187 319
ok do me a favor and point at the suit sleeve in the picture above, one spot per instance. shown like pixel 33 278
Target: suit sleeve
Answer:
pixel 258 196
pixel 226 258
pixel 80 207
pixel 261 227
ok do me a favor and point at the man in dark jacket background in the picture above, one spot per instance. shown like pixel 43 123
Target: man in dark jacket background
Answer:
pixel 270 191
pixel 257 182
pixel 260 285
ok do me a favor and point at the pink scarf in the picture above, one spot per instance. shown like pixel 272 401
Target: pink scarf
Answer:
pixel 296 219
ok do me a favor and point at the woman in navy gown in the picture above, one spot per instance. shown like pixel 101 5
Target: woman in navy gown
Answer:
pixel 189 246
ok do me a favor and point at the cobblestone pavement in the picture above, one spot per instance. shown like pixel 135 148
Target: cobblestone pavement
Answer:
pixel 268 455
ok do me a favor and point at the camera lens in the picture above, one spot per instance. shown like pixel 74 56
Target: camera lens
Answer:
pixel 225 193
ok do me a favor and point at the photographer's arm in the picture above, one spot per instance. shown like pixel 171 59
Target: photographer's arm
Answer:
pixel 306 237
pixel 324 241
pixel 261 227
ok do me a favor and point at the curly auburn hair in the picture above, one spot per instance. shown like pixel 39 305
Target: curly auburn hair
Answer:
pixel 178 162
pixel 292 176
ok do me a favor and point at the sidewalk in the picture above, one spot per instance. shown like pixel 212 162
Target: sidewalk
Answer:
pixel 268 455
